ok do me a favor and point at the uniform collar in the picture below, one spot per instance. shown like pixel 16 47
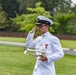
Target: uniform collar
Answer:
pixel 45 34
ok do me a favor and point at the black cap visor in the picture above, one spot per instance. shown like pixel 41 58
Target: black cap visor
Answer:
pixel 42 22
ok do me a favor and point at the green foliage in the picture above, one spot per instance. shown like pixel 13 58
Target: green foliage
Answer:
pixel 24 4
pixel 61 22
pixel 31 7
pixel 72 27
pixel 72 23
pixel 28 21
pixel 10 6
pixel 39 10
pixel 3 19
pixel 49 5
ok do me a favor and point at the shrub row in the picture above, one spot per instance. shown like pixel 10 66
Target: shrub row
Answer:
pixel 20 34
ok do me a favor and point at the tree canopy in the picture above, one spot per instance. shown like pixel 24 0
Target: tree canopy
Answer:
pixel 62 12
pixel 3 19
pixel 29 20
pixel 61 22
pixel 11 7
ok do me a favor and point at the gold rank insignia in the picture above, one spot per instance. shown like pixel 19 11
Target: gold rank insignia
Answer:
pixel 40 44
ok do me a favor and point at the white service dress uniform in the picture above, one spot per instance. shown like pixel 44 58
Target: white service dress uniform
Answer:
pixel 53 50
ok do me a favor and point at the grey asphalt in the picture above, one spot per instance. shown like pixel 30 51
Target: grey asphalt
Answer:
pixel 70 52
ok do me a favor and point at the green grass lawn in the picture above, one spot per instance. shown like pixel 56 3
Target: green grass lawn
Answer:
pixel 14 62
pixel 68 43
pixel 65 43
pixel 12 39
pixel 66 66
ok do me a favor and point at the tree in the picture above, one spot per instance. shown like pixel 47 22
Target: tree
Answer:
pixel 24 4
pixel 49 5
pixel 11 7
pixel 27 21
pixel 61 22
pixel 72 23
pixel 71 29
pixel 3 19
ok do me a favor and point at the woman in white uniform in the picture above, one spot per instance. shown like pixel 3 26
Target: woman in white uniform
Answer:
pixel 46 42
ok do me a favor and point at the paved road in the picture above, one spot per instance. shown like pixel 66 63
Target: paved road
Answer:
pixel 66 50
pixel 12 44
pixel 70 52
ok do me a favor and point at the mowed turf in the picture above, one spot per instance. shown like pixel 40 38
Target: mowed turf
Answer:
pixel 68 43
pixel 64 43
pixel 14 62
